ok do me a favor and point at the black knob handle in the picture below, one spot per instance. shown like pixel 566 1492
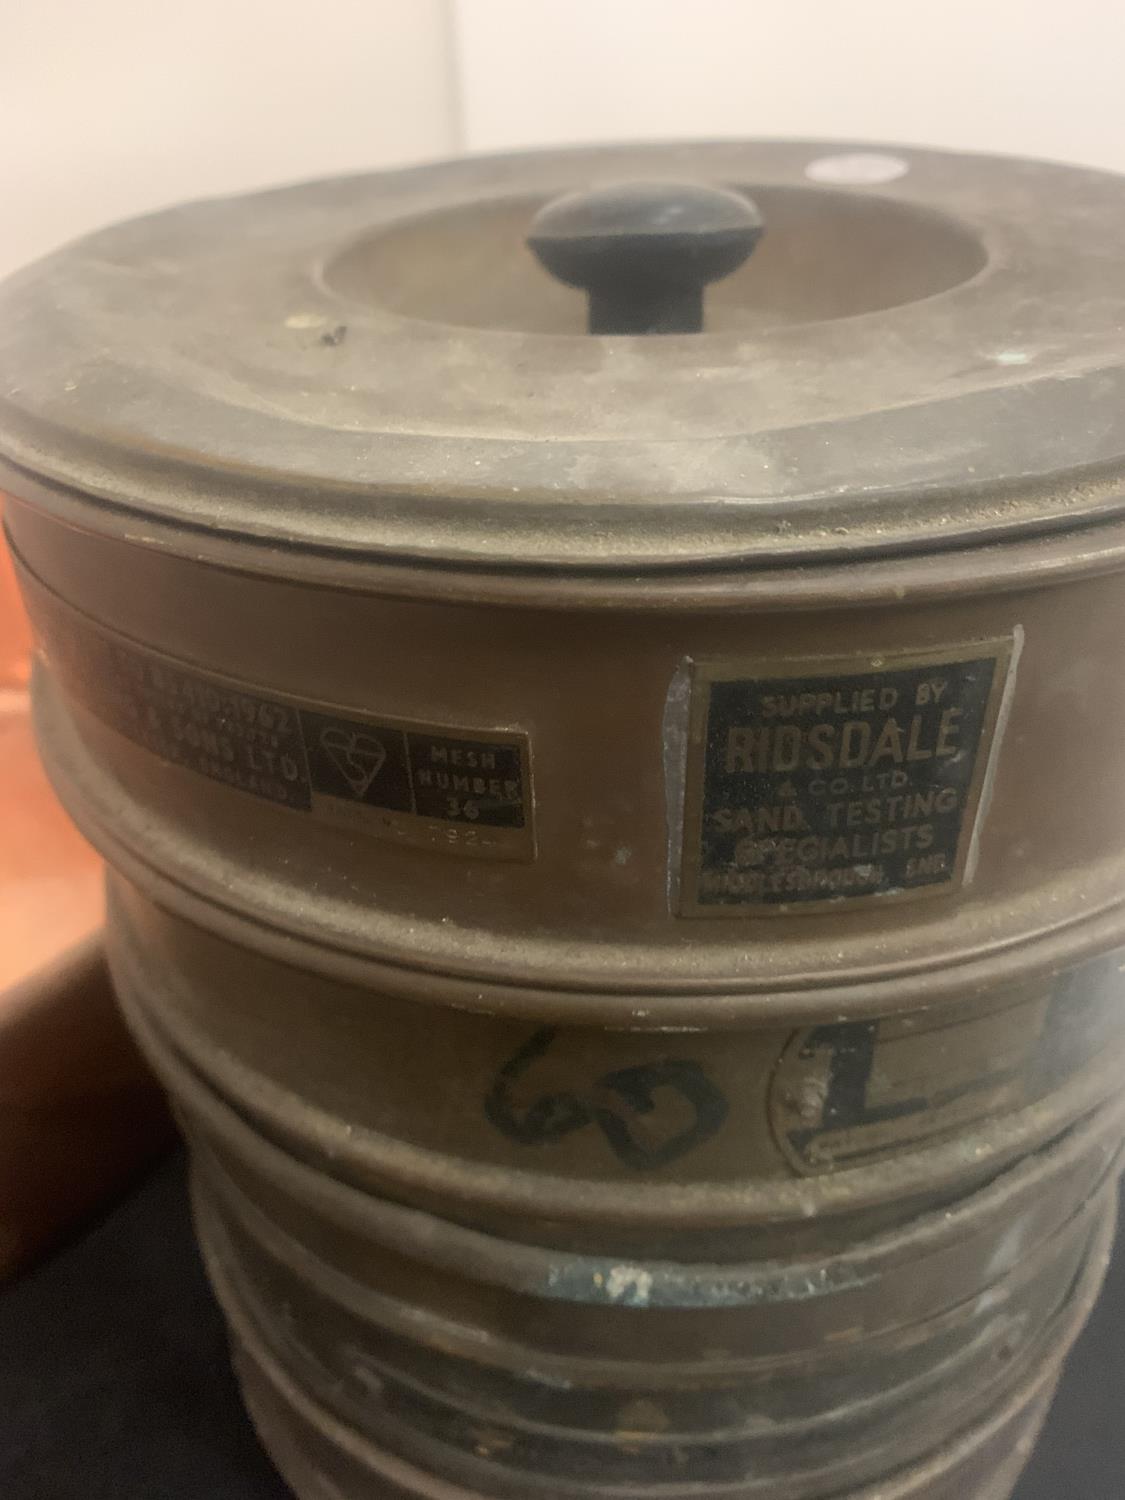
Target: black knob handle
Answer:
pixel 644 251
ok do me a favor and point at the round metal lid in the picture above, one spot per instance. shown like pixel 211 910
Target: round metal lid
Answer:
pixel 925 349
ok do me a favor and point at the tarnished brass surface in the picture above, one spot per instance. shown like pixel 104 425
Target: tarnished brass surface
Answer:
pixel 452 1122
pixel 323 1456
pixel 617 843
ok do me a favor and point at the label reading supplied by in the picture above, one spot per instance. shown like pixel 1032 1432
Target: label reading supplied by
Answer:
pixel 462 790
pixel 826 780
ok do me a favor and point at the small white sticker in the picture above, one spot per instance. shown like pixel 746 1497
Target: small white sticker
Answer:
pixel 857 168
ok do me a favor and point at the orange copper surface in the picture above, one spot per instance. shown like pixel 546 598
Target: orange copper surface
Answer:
pixel 15 636
pixel 50 878
pixel 79 1112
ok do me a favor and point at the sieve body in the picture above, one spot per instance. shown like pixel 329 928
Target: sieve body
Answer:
pixel 699 1207
pixel 645 995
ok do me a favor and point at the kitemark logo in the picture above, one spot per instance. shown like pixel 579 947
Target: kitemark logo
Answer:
pixel 445 789
pixel 357 764
pixel 358 757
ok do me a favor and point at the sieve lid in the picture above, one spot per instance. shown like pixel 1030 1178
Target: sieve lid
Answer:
pixel 925 349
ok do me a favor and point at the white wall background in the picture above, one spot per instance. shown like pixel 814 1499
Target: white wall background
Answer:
pixel 109 107
pixel 1044 77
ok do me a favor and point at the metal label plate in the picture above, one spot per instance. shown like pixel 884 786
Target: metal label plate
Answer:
pixel 847 1093
pixel 835 780
pixel 461 790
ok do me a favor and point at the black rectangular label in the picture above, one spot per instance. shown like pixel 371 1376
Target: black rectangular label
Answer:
pixel 456 789
pixel 820 781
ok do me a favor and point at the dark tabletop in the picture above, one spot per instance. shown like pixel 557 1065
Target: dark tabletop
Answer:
pixel 114 1383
